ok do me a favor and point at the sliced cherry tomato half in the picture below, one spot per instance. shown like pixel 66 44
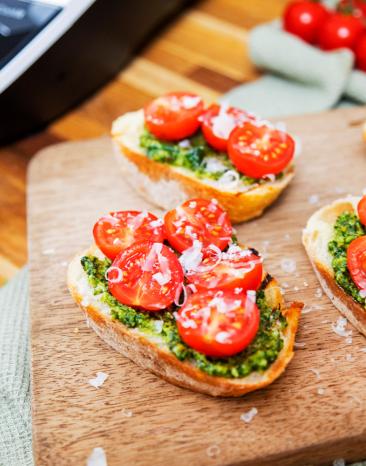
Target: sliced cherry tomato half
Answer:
pixel 174 116
pixel 115 232
pixel 258 151
pixel 356 261
pixel 146 275
pixel 218 122
pixel 198 220
pixel 236 269
pixel 218 323
pixel 361 208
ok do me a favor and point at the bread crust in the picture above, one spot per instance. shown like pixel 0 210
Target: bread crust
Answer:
pixel 240 205
pixel 315 240
pixel 157 359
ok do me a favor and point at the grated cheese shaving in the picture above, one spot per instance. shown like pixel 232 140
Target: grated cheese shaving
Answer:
pixel 340 327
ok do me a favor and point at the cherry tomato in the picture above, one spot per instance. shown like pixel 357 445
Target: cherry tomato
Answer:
pixel 356 261
pixel 115 232
pixel 174 116
pixel 305 19
pixel 218 122
pixel 198 220
pixel 340 31
pixel 257 151
pixel 146 275
pixel 360 52
pixel 361 208
pixel 239 269
pixel 218 323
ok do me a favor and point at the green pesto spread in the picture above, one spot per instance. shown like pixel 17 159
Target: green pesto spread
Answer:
pixel 347 228
pixel 258 356
pixel 193 154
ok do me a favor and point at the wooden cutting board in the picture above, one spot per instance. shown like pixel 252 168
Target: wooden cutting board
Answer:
pixel 141 420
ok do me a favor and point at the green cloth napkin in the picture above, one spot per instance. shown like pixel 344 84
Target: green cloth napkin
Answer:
pixel 15 416
pixel 300 79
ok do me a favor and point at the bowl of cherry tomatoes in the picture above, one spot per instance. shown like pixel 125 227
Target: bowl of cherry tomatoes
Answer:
pixel 344 27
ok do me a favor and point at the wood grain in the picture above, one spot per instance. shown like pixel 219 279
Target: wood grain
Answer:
pixel 70 186
pixel 203 50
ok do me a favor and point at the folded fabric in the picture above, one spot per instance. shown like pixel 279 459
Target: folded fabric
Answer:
pixel 301 79
pixel 15 420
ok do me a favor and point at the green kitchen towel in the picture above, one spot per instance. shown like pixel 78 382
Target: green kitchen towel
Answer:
pixel 300 79
pixel 15 417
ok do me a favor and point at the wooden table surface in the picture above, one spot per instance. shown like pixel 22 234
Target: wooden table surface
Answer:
pixel 203 50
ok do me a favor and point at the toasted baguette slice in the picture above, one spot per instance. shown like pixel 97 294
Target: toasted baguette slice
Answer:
pixel 168 186
pixel 153 355
pixel 316 236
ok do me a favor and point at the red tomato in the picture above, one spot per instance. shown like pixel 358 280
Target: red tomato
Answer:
pixel 360 52
pixel 218 122
pixel 239 269
pixel 174 116
pixel 305 19
pixel 218 323
pixel 115 232
pixel 146 275
pixel 361 208
pixel 198 219
pixel 356 261
pixel 257 151
pixel 340 31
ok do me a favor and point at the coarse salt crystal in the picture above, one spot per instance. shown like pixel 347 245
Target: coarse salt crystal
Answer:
pixel 321 391
pixel 97 458
pixel 213 451
pixel 340 327
pixel 48 252
pixel 315 372
pixel 288 265
pixel 349 340
pixel 126 412
pixel 248 416
pixel 313 199
pixel 318 293
pixel 99 380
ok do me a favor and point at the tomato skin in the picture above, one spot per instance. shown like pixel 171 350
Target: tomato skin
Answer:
pixel 137 285
pixel 340 31
pixel 304 19
pixel 198 219
pixel 174 116
pixel 361 209
pixel 218 137
pixel 356 261
pixel 238 269
pixel 258 151
pixel 115 232
pixel 360 52
pixel 217 323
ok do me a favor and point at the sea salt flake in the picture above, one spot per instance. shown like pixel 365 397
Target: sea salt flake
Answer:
pixel 99 380
pixel 248 416
pixel 318 293
pixel 97 458
pixel 321 391
pixel 349 340
pixel 288 265
pixel 213 451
